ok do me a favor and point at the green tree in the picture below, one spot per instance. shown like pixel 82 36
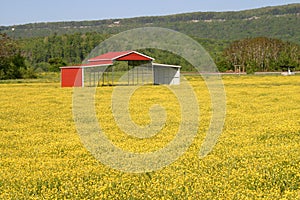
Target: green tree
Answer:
pixel 56 63
pixel 262 54
pixel 12 63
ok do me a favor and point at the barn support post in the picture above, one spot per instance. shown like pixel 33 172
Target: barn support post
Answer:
pixel 133 75
pixel 112 75
pixel 94 79
pixel 103 75
pixel 153 78
pixel 143 76
pixel 82 77
pixel 98 80
pixel 90 78
pixel 128 72
pixel 137 75
pixel 107 78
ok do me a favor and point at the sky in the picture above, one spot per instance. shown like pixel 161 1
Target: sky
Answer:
pixel 15 12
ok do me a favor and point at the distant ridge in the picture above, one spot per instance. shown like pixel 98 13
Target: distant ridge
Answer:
pixel 282 22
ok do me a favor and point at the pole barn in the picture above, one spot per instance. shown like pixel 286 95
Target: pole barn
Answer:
pixel 89 74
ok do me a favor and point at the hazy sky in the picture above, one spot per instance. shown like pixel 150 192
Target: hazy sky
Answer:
pixel 30 11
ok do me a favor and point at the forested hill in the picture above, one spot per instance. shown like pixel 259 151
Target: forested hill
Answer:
pixel 282 22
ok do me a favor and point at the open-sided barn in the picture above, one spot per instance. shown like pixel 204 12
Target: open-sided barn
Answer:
pixel 143 70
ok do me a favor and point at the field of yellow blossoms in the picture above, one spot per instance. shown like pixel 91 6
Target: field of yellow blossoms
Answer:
pixel 257 155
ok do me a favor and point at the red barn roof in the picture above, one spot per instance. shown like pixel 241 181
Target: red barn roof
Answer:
pixel 120 56
pixel 108 59
pixel 93 64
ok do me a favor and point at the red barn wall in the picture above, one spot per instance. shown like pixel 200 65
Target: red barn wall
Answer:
pixel 71 77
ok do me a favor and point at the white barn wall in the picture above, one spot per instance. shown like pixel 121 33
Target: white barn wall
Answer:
pixel 166 74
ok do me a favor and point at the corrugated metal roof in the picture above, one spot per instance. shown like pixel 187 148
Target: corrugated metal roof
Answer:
pixel 109 56
pixel 108 59
pixel 100 62
pixel 94 64
pixel 112 56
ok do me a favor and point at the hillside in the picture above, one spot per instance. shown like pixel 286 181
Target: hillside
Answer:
pixel 282 22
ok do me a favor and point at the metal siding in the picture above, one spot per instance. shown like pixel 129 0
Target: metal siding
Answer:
pixel 71 77
pixel 166 75
pixel 176 79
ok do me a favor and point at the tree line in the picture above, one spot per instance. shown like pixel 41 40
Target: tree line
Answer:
pixel 254 54
pixel 261 54
pixel 50 52
pixel 21 58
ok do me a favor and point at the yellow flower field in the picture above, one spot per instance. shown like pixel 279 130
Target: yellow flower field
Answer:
pixel 257 155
